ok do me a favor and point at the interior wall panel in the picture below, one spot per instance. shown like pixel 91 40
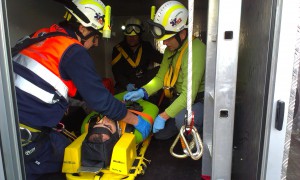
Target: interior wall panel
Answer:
pixel 38 14
pixel 251 85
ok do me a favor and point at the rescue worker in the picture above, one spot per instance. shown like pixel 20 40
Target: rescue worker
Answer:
pixel 50 70
pixel 169 26
pixel 133 57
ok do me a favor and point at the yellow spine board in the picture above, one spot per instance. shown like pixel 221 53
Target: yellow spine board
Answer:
pixel 124 154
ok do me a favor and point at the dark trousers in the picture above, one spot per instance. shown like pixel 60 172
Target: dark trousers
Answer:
pixel 45 156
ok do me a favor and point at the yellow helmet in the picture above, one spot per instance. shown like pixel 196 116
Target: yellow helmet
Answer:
pixel 170 19
pixel 89 13
pixel 133 26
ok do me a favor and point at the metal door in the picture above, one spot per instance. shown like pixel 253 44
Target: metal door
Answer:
pixel 10 164
pixel 282 91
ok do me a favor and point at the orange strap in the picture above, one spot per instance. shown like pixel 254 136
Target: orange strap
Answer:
pixel 144 115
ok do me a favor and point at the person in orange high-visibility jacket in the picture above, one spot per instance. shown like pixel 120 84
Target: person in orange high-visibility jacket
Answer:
pixel 49 71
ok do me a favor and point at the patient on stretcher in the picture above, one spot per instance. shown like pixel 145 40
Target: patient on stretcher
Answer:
pixel 98 144
pixel 113 148
pixel 102 130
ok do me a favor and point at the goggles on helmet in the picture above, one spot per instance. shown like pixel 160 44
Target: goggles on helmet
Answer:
pixel 158 30
pixel 133 28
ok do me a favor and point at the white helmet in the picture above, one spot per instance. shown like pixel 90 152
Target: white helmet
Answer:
pixel 89 13
pixel 170 19
pixel 133 26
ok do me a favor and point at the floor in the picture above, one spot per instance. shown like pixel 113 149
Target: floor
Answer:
pixel 164 166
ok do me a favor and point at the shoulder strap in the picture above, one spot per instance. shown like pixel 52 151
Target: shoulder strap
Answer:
pixel 125 55
pixel 27 41
pixel 118 57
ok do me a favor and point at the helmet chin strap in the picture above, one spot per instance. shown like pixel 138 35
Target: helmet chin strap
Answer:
pixel 82 38
pixel 85 38
pixel 179 40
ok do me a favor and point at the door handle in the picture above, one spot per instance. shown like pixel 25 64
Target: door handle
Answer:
pixel 279 115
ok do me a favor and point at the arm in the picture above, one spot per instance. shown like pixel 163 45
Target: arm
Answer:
pixel 130 118
pixel 77 65
pixel 158 81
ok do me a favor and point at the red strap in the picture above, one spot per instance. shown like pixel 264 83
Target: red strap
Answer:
pixel 144 115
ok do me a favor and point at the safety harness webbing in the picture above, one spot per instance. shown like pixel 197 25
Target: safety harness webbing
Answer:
pixel 172 75
pixel 135 63
pixel 28 41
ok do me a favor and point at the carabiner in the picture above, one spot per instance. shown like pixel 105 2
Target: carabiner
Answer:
pixel 24 142
pixel 196 140
pixel 59 127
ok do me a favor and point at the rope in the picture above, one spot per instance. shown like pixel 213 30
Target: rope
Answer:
pixel 190 62
pixel 188 126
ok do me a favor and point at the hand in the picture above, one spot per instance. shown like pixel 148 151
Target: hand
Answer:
pixel 130 87
pixel 143 126
pixel 134 95
pixel 159 124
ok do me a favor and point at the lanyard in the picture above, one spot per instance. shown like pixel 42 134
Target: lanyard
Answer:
pixel 172 74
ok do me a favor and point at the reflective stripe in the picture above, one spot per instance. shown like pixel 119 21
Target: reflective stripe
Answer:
pixel 44 73
pixel 32 89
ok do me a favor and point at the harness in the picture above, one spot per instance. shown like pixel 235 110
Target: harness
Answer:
pixel 172 74
pixel 134 64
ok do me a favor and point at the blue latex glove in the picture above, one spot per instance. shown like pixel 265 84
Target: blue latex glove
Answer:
pixel 159 124
pixel 130 87
pixel 134 95
pixel 144 127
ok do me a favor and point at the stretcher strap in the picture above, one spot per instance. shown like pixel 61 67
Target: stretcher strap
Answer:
pixel 144 115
